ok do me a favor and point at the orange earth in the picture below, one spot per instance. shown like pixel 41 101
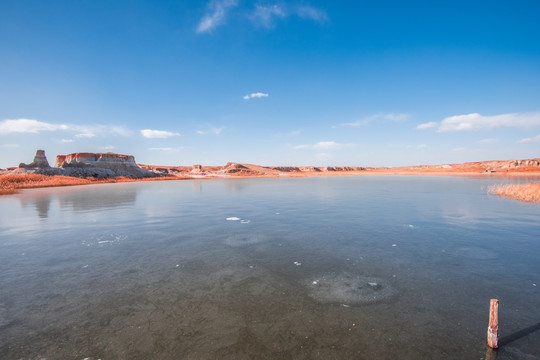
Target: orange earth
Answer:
pixel 512 168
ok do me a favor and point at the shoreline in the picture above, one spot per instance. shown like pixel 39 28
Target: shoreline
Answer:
pixel 13 183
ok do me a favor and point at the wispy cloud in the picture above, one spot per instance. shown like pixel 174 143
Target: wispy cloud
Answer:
pixel 393 117
pixel 530 140
pixel 67 141
pixel 487 141
pixel 158 134
pixel 476 121
pixel 85 135
pixel 419 146
pixel 322 156
pixel 255 95
pixel 28 126
pixel 216 14
pixel 428 125
pixel 211 131
pixel 322 145
pixel 166 149
pixel 266 15
pixel 311 13
pixel 10 146
pixel 34 126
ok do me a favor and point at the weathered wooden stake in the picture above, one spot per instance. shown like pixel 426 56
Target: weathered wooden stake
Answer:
pixel 493 328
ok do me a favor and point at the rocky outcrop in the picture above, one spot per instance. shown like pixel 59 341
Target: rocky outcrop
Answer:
pixel 197 170
pixel 40 161
pixel 98 165
pixel 101 165
pixel 104 160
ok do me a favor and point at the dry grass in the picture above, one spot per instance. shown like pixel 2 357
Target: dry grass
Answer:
pixel 523 192
pixel 10 184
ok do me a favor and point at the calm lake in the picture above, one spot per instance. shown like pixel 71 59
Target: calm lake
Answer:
pixel 373 267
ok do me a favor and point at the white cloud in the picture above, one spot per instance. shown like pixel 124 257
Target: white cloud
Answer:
pixel 487 141
pixel 394 117
pixel 66 141
pixel 322 156
pixel 157 134
pixel 108 147
pixel 264 15
pixel 85 135
pixel 321 145
pixel 428 125
pixel 419 146
pixel 215 15
pixel 35 126
pixel 530 140
pixel 477 121
pixel 308 12
pixel 28 126
pixel 166 149
pixel 10 146
pixel 214 131
pixel 255 95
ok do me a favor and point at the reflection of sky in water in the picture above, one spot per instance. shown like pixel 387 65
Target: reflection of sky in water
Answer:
pixel 425 250
pixel 78 198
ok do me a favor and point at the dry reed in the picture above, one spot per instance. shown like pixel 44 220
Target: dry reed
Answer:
pixel 523 192
pixel 10 184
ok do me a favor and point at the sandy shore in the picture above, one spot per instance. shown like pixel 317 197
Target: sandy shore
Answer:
pixel 11 183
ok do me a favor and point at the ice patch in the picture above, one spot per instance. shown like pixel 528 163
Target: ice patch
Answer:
pixel 394 244
pixel 240 240
pixel 477 253
pixel 233 218
pixel 3 315
pixel 105 239
pixel 349 289
pixel 245 221
pixel 297 263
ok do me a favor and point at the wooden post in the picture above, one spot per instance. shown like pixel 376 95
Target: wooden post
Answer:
pixel 493 328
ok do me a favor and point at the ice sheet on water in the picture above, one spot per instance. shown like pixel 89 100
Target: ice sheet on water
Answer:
pixel 233 218
pixel 3 315
pixel 104 239
pixel 345 288
pixel 477 253
pixel 245 239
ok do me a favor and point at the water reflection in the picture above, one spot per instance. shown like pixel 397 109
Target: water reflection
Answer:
pixel 78 198
pixel 108 197
pixel 41 201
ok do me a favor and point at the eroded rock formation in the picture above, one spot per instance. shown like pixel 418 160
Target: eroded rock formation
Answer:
pixel 99 165
pixel 40 161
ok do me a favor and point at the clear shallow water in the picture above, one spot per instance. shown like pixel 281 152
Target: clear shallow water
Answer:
pixel 368 267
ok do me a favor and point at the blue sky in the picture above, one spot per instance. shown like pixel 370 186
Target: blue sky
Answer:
pixel 367 83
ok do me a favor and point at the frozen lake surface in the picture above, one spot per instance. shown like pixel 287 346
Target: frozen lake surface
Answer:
pixel 374 267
